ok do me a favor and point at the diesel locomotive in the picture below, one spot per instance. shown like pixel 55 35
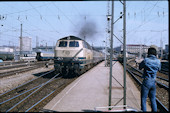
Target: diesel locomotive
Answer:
pixel 73 54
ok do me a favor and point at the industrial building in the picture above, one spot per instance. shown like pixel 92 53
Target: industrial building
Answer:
pixel 138 49
pixel 25 45
pixel 6 49
pixel 133 48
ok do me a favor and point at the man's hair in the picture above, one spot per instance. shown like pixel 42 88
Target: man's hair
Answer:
pixel 152 51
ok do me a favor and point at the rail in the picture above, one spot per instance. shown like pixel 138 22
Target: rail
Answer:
pixel 159 104
pixel 38 89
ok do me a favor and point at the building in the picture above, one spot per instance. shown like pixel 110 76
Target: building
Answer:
pixel 133 49
pixel 136 49
pixel 6 49
pixel 25 45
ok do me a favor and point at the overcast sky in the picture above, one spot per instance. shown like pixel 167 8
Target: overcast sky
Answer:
pixel 146 21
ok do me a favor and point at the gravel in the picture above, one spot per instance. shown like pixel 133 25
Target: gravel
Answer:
pixel 10 82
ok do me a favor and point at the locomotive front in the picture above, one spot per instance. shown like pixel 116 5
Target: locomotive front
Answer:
pixel 68 55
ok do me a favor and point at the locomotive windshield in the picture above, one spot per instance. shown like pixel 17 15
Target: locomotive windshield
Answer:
pixel 73 44
pixel 63 44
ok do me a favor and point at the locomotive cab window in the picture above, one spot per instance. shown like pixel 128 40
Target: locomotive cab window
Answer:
pixel 63 44
pixel 73 44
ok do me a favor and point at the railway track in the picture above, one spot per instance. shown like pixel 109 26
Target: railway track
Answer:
pixel 17 65
pixel 162 92
pixel 165 68
pixel 32 95
pixel 11 63
pixel 162 80
pixel 19 68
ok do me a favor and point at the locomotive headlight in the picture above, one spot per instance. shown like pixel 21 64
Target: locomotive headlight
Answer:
pixel 75 59
pixel 60 58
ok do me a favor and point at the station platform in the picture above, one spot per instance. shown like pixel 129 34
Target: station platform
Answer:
pixel 90 92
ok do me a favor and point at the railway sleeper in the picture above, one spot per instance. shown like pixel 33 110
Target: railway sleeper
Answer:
pixel 7 104
pixel 19 105
pixel 20 87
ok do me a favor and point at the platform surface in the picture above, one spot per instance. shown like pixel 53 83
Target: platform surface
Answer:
pixel 91 91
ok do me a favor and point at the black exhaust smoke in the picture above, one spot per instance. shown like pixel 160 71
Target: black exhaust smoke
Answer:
pixel 88 30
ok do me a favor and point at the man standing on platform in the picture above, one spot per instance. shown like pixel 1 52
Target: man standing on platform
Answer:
pixel 151 65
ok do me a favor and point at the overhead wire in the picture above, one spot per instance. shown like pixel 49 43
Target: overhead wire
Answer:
pixel 33 8
pixel 54 14
pixel 144 22
pixel 159 6
pixel 42 16
pixel 28 10
pixel 25 11
pixel 53 29
pixel 64 14
pixel 24 31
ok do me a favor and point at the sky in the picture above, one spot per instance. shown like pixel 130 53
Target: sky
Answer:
pixel 146 22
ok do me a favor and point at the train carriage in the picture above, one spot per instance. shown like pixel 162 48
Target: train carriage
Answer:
pixel 44 55
pixel 7 56
pixel 73 54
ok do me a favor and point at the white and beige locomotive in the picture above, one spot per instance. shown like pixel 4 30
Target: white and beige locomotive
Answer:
pixel 73 54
